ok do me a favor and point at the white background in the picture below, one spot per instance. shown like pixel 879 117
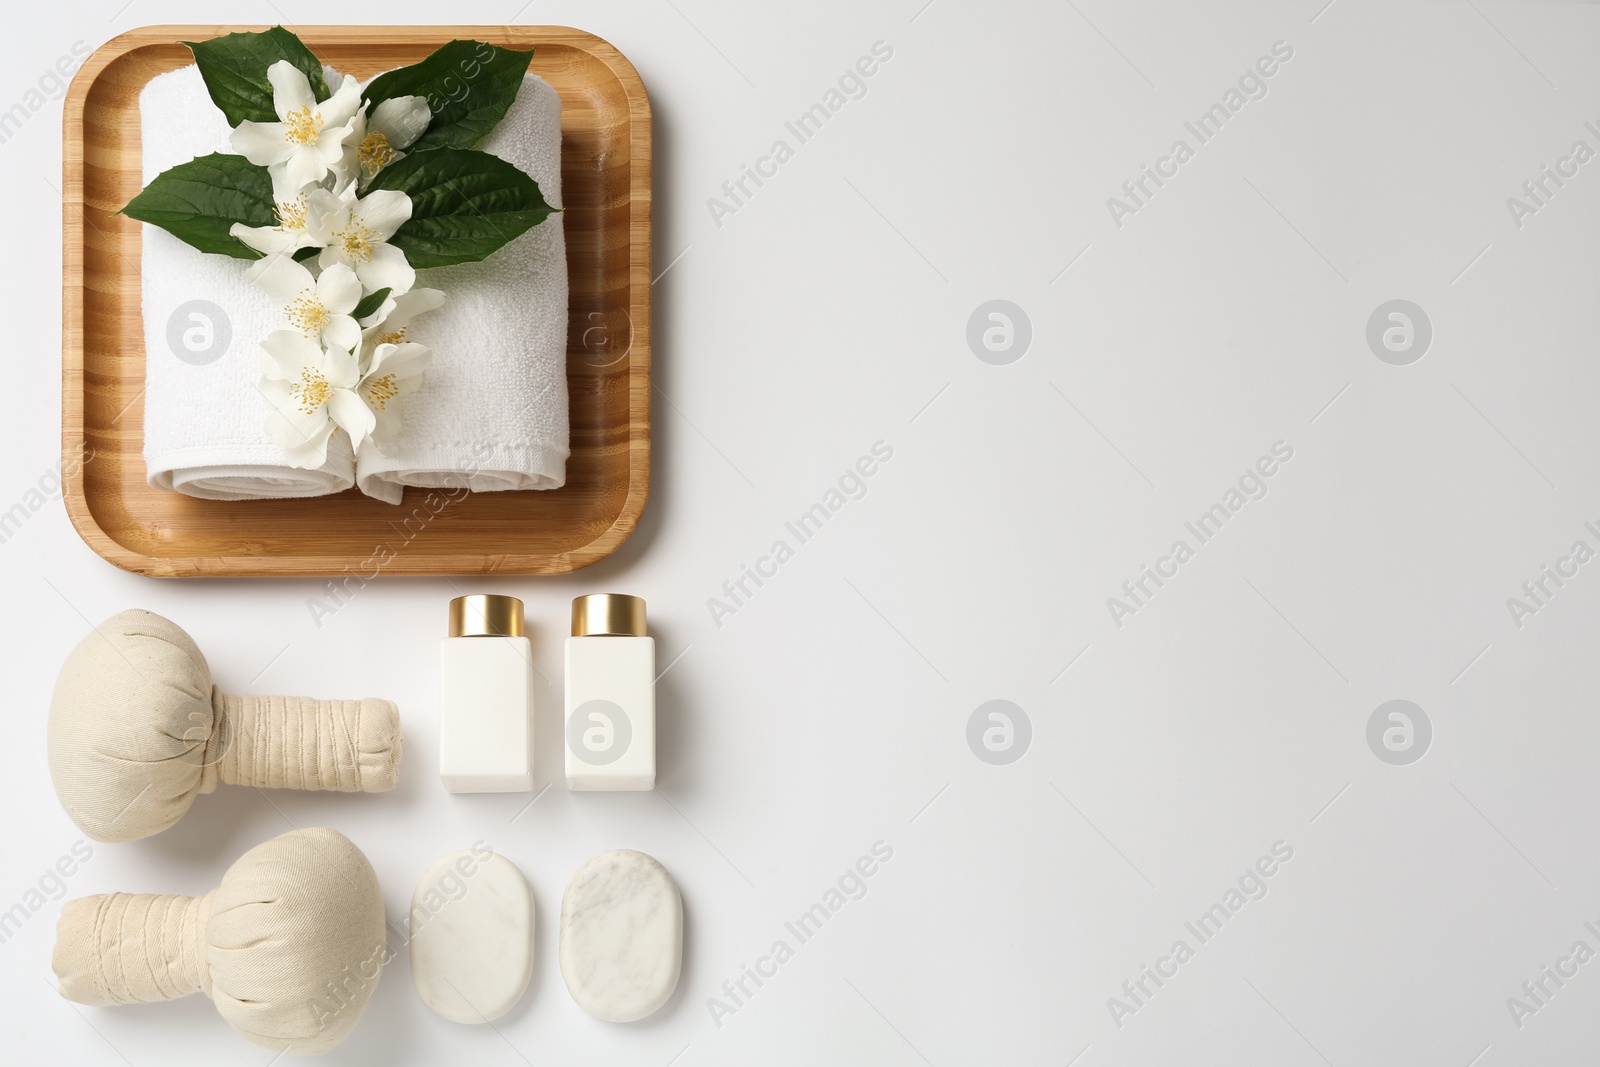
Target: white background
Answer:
pixel 830 712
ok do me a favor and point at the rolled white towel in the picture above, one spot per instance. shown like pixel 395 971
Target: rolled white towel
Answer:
pixel 491 413
pixel 216 474
pixel 204 419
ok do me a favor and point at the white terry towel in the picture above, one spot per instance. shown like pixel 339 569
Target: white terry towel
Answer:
pixel 491 412
pixel 204 418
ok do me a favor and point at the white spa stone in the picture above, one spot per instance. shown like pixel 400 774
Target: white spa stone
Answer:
pixel 621 936
pixel 472 936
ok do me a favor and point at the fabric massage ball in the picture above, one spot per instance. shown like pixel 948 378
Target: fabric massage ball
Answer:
pixel 289 946
pixel 137 729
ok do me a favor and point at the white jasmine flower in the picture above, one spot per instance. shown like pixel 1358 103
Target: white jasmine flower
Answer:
pixel 378 139
pixel 389 324
pixel 287 237
pixel 391 366
pixel 355 231
pixel 319 308
pixel 312 390
pixel 394 372
pixel 309 137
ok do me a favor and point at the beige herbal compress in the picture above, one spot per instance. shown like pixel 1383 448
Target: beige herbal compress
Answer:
pixel 137 729
pixel 289 946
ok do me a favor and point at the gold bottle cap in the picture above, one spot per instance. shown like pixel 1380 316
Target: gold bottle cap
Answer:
pixel 608 615
pixel 486 615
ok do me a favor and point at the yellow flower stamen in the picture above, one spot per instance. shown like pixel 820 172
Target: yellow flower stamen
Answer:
pixel 356 240
pixel 312 390
pixel 392 338
pixel 308 313
pixel 302 126
pixel 291 214
pixel 375 153
pixel 380 391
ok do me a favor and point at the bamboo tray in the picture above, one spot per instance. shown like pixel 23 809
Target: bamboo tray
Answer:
pixel 605 176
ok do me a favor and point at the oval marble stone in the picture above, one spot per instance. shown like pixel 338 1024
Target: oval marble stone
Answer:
pixel 621 936
pixel 472 936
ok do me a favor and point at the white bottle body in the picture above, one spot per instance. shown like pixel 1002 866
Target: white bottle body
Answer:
pixel 486 714
pixel 611 713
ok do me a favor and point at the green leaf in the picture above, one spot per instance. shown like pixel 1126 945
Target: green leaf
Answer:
pixel 199 200
pixel 303 254
pixel 468 85
pixel 235 71
pixel 370 304
pixel 465 204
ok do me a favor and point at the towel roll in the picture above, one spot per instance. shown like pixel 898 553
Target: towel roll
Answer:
pixel 203 323
pixel 491 413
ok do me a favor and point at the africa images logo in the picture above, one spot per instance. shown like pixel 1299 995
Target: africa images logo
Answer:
pixel 599 732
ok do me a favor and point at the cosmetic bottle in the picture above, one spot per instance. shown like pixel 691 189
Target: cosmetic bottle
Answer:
pixel 611 697
pixel 486 698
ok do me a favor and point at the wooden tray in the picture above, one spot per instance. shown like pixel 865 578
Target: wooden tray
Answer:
pixel 605 178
